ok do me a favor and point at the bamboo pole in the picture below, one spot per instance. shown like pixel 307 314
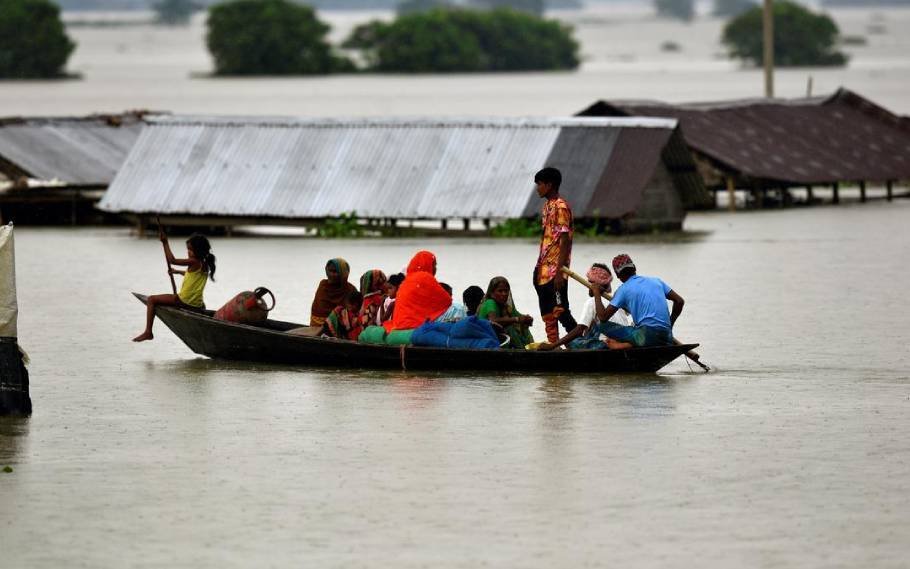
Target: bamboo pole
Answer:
pixel 768 46
pixel 731 194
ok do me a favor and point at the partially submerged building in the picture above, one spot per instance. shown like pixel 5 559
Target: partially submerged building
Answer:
pixel 762 145
pixel 56 169
pixel 635 173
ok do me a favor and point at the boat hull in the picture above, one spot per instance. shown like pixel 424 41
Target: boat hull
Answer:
pixel 270 342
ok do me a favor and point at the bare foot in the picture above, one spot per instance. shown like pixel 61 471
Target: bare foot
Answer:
pixel 143 337
pixel 615 345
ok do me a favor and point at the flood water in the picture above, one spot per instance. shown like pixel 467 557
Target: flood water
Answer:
pixel 167 69
pixel 792 453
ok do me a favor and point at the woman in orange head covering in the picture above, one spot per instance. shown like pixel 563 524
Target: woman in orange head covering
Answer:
pixel 420 298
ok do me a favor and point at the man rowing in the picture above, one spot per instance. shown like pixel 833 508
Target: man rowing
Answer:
pixel 645 298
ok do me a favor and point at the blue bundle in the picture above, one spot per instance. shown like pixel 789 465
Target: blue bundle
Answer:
pixel 470 333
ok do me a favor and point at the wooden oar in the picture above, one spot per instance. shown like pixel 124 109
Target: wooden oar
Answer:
pixel 161 229
pixel 692 354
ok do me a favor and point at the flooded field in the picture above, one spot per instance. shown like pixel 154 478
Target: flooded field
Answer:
pixel 793 453
pixel 165 69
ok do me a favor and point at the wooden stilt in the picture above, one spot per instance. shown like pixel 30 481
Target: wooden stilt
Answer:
pixel 467 224
pixel 810 196
pixel 836 189
pixel 889 187
pixel 731 194
pixel 862 191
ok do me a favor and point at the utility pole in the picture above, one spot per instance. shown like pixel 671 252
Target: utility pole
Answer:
pixel 768 45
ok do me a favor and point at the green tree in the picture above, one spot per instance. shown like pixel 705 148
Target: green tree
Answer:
pixel 676 9
pixel 729 8
pixel 801 37
pixel 175 12
pixel 33 41
pixel 270 37
pixel 456 40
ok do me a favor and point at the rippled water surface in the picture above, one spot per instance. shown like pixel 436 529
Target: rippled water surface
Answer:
pixel 793 453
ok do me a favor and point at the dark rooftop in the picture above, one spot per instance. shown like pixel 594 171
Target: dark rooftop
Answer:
pixel 841 137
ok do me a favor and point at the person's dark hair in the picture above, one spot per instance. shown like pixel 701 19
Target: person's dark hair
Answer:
pixel 628 272
pixel 549 175
pixel 446 287
pixel 396 279
pixel 203 251
pixel 601 266
pixel 472 297
pixel 354 297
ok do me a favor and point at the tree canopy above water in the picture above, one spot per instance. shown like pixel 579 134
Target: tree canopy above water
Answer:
pixel 33 41
pixel 801 37
pixel 458 40
pixel 270 37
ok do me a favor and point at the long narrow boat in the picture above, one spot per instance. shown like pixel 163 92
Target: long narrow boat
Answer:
pixel 270 342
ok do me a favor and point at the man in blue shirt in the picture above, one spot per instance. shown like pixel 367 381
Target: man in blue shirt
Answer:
pixel 645 298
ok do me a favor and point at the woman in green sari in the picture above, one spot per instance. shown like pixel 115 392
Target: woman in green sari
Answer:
pixel 498 308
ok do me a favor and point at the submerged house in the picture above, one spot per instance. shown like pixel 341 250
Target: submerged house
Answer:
pixel 762 145
pixel 56 169
pixel 220 171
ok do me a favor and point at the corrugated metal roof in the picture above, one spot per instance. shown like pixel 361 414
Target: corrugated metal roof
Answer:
pixel 402 168
pixel 85 152
pixel 818 140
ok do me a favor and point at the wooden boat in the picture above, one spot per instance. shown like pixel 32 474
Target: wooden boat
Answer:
pixel 270 342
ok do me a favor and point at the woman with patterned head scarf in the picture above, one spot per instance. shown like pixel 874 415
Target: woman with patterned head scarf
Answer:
pixel 332 290
pixel 372 285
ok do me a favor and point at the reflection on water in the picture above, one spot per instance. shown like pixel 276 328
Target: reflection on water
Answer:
pixel 13 437
pixel 151 452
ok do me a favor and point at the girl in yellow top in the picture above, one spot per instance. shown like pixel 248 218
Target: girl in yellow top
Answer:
pixel 200 266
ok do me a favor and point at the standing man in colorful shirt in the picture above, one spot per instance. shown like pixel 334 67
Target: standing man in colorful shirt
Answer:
pixel 555 252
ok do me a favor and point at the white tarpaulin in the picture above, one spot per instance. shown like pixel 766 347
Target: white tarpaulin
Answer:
pixel 9 310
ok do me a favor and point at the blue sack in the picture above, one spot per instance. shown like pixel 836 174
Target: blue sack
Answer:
pixel 469 333
pixel 474 333
pixel 432 334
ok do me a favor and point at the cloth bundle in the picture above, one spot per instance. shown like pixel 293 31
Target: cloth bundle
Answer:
pixel 377 335
pixel 471 333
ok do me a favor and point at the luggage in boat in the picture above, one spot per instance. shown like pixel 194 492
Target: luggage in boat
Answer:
pixel 247 307
pixel 470 333
pixel 377 335
pixel 372 335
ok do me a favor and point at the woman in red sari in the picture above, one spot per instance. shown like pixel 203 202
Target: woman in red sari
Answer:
pixel 420 298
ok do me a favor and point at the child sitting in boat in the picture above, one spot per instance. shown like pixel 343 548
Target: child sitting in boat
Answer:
pixel 343 321
pixel 498 308
pixel 372 287
pixel 200 266
pixel 472 297
pixel 456 311
pixel 587 335
pixel 388 304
